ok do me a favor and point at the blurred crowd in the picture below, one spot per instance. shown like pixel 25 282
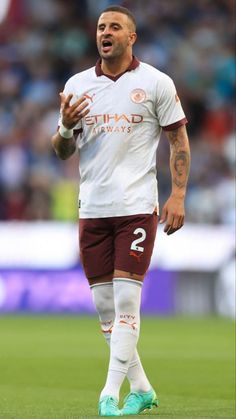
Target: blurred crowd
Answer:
pixel 42 43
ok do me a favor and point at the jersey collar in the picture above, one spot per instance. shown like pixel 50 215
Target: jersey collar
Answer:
pixel 133 65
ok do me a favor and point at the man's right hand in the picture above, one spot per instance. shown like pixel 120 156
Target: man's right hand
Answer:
pixel 72 114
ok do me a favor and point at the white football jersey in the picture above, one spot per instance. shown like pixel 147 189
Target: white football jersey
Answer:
pixel 119 137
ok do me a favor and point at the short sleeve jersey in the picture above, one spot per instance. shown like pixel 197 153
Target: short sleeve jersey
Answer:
pixel 118 139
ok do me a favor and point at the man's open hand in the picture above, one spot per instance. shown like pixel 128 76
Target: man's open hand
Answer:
pixel 72 114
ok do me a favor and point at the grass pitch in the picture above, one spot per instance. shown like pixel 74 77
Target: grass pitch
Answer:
pixel 53 367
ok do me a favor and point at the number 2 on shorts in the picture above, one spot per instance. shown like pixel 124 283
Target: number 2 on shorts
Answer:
pixel 138 240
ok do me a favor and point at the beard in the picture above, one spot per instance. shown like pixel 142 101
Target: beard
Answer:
pixel 116 52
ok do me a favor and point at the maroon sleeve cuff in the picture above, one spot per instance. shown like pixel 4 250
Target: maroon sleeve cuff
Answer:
pixel 175 125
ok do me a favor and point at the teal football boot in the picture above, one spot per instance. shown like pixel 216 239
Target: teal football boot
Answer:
pixel 108 406
pixel 136 403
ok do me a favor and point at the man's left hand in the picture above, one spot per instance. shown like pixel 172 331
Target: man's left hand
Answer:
pixel 173 214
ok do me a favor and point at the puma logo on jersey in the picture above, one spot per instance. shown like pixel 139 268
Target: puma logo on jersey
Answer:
pixel 90 97
pixel 135 255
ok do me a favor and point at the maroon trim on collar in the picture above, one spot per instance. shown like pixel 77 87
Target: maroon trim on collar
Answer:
pixel 98 70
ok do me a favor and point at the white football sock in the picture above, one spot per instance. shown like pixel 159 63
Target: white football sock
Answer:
pixel 125 333
pixel 136 375
pixel 103 298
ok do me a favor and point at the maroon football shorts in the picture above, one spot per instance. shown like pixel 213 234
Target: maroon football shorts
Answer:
pixel 124 243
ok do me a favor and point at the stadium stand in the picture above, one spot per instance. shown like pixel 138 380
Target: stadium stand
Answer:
pixel 43 42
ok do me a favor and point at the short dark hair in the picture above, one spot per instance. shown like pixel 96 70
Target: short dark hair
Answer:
pixel 121 9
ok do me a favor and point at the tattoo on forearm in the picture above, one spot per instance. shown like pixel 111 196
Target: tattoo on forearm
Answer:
pixel 173 135
pixel 176 140
pixel 66 148
pixel 180 158
pixel 180 161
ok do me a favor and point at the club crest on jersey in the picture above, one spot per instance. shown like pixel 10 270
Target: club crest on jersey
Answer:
pixel 138 95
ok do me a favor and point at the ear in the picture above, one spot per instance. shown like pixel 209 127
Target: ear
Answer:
pixel 132 38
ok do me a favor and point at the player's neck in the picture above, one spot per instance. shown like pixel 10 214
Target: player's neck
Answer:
pixel 116 66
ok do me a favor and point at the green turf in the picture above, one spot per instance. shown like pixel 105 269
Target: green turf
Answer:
pixel 54 367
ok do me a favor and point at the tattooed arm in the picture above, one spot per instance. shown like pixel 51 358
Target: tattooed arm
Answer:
pixel 173 212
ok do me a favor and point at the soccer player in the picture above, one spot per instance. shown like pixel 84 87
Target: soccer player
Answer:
pixel 112 115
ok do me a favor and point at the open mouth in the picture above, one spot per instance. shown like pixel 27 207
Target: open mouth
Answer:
pixel 106 45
